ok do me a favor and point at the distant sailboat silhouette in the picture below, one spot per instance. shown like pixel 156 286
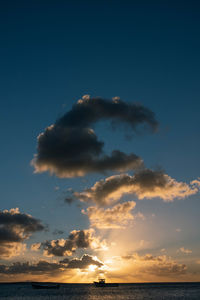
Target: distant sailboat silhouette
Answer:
pixel 45 285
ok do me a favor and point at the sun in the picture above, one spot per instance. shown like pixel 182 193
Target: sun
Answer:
pixel 92 268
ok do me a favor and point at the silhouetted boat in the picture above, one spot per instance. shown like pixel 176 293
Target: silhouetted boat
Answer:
pixel 102 283
pixel 45 286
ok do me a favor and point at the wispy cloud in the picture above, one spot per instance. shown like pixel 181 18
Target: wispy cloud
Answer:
pixel 196 182
pixel 116 217
pixel 184 250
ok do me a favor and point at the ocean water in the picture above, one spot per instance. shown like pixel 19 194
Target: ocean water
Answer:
pixel 164 291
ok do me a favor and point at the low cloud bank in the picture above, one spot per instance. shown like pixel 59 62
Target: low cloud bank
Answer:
pixel 150 267
pixel 45 267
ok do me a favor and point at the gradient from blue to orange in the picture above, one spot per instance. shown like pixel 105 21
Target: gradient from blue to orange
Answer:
pixel 142 51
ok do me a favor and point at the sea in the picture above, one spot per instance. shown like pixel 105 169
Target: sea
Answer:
pixel 158 291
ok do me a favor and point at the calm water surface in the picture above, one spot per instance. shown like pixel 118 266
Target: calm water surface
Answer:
pixel 24 291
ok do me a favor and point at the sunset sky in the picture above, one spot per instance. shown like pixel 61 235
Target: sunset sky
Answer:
pixel 100 169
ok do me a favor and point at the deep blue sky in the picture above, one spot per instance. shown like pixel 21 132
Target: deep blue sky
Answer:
pixel 53 52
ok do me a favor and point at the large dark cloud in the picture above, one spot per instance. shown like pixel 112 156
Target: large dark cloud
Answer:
pixel 65 247
pixel 15 227
pixel 44 267
pixel 145 183
pixel 71 148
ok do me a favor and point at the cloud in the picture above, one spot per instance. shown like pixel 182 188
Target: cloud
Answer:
pixel 88 111
pixel 69 200
pixel 185 251
pixel 15 227
pixel 196 182
pixel 10 249
pixel 25 268
pixel 58 232
pixel 71 148
pixel 145 183
pixel 66 247
pixel 162 265
pixel 139 215
pixel 155 265
pixel 82 263
pixel 163 250
pixel 44 267
pixel 116 217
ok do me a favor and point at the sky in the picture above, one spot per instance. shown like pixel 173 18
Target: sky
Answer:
pixel 100 141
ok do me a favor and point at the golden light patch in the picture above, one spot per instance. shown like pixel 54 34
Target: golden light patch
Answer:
pixel 92 268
